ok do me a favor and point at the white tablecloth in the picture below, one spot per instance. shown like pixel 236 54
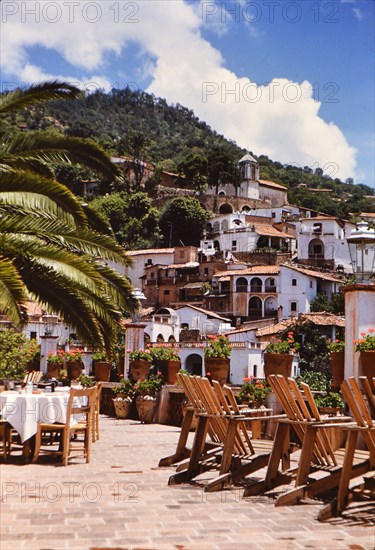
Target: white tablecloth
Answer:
pixel 24 411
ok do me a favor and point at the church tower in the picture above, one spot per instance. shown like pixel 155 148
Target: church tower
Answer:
pixel 249 170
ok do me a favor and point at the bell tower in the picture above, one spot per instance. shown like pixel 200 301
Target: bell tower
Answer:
pixel 249 170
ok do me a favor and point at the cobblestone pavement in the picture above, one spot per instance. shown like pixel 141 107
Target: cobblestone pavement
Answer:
pixel 122 500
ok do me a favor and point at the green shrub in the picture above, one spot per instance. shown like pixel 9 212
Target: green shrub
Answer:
pixel 15 353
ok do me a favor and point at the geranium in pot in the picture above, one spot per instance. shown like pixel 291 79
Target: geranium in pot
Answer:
pixel 337 349
pixel 366 347
pixel 217 359
pixel 166 362
pixel 73 363
pixel 147 398
pixel 102 365
pixel 253 392
pixel 331 403
pixel 278 356
pixel 86 381
pixel 55 363
pixel 139 364
pixel 124 395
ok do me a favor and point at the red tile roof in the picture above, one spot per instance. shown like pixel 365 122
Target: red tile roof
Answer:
pixel 255 270
pixel 150 251
pixel 267 183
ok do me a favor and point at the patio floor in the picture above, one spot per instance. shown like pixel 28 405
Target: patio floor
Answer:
pixel 121 500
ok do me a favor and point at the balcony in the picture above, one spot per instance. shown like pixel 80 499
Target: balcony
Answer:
pixel 270 288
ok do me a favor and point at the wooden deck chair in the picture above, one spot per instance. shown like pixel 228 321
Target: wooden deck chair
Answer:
pixel 220 415
pixel 71 427
pixel 195 407
pixel 317 452
pixel 365 419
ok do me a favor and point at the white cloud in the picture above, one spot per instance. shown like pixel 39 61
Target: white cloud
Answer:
pixel 283 122
pixel 358 14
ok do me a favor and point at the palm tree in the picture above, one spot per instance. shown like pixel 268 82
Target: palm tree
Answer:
pixel 53 248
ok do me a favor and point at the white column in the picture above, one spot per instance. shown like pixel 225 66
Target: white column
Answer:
pixel 359 317
pixel 48 345
pixel 134 339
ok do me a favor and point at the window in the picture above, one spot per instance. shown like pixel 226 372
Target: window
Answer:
pixel 311 284
pixel 152 275
pixel 294 282
pixel 206 271
pixel 255 371
pixel 166 292
pixel 273 214
pixel 293 307
pixel 272 282
pixel 234 245
pixel 33 335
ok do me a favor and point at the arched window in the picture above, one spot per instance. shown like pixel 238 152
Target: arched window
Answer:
pixel 224 225
pixel 316 249
pixel 255 308
pixel 241 284
pixel 193 364
pixel 270 307
pixel 256 284
pixel 226 209
pixel 160 338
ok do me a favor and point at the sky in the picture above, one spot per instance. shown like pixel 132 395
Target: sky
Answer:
pixel 293 80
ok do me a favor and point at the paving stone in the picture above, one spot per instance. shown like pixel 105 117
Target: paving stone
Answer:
pixel 121 500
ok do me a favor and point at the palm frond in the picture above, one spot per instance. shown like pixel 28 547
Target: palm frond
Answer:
pixel 12 292
pixel 37 93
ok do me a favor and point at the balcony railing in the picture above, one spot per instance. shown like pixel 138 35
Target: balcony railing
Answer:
pixel 270 289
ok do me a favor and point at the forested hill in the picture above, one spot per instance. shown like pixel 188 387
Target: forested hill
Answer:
pixel 177 140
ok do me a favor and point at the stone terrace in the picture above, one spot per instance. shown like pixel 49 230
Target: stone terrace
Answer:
pixel 122 500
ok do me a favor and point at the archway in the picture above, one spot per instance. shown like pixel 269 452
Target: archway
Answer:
pixel 193 364
pixel 256 284
pixel 316 249
pixel 255 308
pixel 270 307
pixel 241 284
pixel 225 209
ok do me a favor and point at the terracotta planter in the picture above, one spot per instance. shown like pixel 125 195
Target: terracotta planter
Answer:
pixel 277 363
pixel 53 370
pixel 122 408
pixel 168 370
pixel 330 411
pixel 337 366
pixel 218 369
pixel 367 359
pixel 102 370
pixel 139 370
pixel 146 408
pixel 74 369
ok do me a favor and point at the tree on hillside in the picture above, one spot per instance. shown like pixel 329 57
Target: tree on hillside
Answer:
pixel 134 143
pixel 195 167
pixel 182 222
pixel 50 241
pixel 222 168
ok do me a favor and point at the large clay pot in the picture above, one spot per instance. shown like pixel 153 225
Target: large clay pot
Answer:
pixel 367 359
pixel 102 370
pixel 277 363
pixel 146 407
pixel 337 366
pixel 217 368
pixel 168 370
pixel 53 369
pixel 122 408
pixel 139 370
pixel 74 369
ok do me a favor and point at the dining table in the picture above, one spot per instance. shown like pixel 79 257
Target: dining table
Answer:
pixel 25 410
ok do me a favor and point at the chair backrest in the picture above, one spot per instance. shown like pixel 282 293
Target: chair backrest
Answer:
pixel 295 406
pixel 367 390
pixel 81 402
pixel 361 412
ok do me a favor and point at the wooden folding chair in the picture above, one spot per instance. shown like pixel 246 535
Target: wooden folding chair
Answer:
pixel 71 427
pixel 317 453
pixel 237 454
pixel 195 407
pixel 363 414
pixel 5 438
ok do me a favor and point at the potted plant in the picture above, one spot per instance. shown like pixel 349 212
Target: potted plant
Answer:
pixel 278 356
pixel 366 348
pixel 147 398
pixel 166 362
pixel 63 378
pixel 32 355
pixel 217 359
pixel 253 392
pixel 139 364
pixel 337 349
pixel 86 381
pixel 124 394
pixel 102 365
pixel 73 363
pixel 331 403
pixel 55 363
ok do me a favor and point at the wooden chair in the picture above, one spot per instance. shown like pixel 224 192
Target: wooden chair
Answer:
pixel 363 413
pixel 96 419
pixel 195 408
pixel 34 377
pixel 71 428
pixel 5 438
pixel 236 454
pixel 317 453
